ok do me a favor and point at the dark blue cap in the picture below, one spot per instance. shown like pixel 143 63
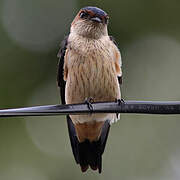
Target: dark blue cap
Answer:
pixel 96 10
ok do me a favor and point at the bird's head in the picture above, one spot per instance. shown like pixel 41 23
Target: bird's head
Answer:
pixel 90 22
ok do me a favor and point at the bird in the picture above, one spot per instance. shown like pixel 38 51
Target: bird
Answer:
pixel 89 69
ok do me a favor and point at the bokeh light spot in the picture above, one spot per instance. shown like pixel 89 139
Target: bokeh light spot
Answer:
pixel 37 25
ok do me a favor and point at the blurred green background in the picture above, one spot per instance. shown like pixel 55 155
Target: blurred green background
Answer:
pixel 142 147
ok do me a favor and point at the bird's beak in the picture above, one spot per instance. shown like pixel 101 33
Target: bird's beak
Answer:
pixel 96 19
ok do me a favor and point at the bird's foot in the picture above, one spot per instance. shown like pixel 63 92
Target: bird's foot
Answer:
pixel 89 102
pixel 119 101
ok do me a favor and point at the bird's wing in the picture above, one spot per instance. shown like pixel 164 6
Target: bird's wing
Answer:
pixel 62 83
pixel 118 62
pixel 60 72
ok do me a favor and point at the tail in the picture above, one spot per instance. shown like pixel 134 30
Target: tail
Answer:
pixel 88 153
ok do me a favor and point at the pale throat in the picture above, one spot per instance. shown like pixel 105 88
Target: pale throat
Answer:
pixel 89 30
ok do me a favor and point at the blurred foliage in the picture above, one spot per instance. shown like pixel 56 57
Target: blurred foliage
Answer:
pixel 139 146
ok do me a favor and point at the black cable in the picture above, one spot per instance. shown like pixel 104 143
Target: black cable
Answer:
pixel 142 107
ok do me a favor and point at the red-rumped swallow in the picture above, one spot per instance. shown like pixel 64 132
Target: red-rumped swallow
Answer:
pixel 89 67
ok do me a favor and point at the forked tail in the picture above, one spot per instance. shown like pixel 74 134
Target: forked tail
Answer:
pixel 88 153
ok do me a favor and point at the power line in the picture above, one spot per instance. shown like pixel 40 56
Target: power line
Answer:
pixel 139 107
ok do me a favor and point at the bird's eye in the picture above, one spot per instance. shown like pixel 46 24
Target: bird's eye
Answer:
pixel 83 15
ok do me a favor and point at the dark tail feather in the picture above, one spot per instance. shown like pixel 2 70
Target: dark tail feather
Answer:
pixel 88 153
pixel 73 139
